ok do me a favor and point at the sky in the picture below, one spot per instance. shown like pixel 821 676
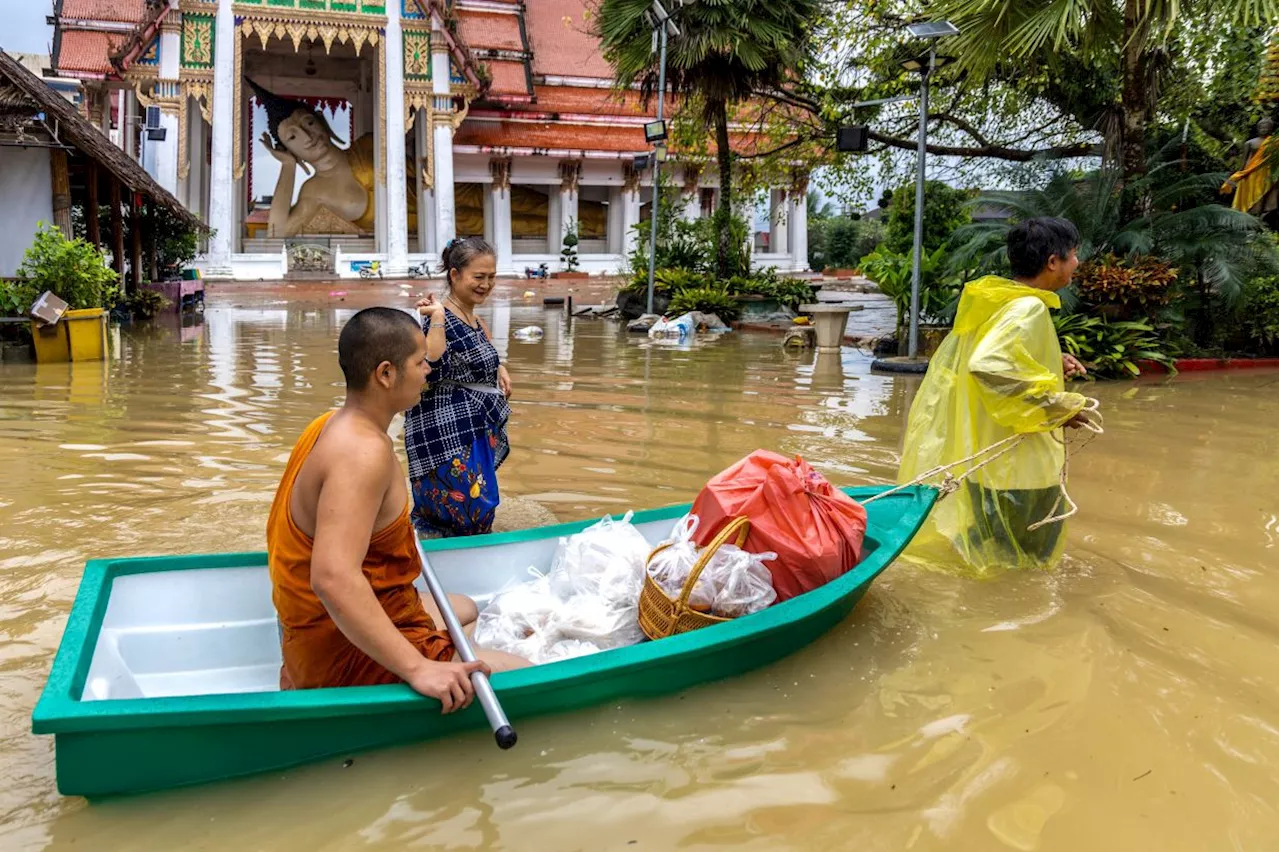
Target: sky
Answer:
pixel 25 30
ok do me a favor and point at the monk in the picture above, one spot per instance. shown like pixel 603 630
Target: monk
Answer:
pixel 340 545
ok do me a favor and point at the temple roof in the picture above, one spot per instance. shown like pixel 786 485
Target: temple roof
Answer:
pixel 120 11
pixel 86 51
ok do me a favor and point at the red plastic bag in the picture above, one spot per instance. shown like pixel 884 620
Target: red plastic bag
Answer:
pixel 815 529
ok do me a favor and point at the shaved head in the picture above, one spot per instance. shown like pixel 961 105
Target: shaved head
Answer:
pixel 372 336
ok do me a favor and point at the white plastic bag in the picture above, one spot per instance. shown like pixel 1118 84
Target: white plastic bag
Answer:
pixel 670 565
pixel 607 558
pixel 741 580
pixel 733 583
pixel 588 602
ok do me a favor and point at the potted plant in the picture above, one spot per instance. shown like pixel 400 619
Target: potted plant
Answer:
pixel 569 254
pixel 74 271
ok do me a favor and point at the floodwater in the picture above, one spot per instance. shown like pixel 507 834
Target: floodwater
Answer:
pixel 1127 701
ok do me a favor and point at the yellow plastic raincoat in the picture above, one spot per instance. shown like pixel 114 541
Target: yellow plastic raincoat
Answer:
pixel 998 373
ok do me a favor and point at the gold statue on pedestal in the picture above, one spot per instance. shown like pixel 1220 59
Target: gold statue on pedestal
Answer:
pixel 1255 184
pixel 338 196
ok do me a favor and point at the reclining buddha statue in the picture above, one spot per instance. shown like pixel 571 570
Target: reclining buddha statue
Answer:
pixel 338 195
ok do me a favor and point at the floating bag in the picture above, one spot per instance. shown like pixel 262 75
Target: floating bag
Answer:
pixel 815 529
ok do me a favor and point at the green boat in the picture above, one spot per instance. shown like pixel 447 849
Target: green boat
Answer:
pixel 167 672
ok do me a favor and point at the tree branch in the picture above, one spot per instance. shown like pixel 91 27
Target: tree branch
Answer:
pixel 996 152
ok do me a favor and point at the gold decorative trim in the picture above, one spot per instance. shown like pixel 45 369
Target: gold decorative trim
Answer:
pixel 382 111
pixel 202 91
pixel 202 6
pixel 460 115
pixel 357 33
pixel 184 162
pixel 304 16
pixel 145 100
pixel 414 101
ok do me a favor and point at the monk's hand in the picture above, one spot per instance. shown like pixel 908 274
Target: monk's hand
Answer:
pixel 1072 368
pixel 448 683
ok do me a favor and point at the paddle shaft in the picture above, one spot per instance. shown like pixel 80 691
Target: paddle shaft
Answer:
pixel 503 733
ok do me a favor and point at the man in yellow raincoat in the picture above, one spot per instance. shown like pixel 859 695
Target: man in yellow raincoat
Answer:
pixel 1000 372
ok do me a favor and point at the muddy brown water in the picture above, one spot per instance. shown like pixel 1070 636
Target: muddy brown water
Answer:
pixel 1127 701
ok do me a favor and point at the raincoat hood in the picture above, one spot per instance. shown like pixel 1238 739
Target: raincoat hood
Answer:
pixel 985 296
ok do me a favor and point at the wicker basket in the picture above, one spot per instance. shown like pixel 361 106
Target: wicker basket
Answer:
pixel 660 616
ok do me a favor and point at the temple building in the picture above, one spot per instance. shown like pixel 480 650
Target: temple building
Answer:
pixel 320 135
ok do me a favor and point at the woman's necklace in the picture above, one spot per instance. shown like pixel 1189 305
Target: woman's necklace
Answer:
pixel 467 316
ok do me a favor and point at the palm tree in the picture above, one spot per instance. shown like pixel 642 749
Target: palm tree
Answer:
pixel 1128 38
pixel 1215 245
pixel 817 208
pixel 728 52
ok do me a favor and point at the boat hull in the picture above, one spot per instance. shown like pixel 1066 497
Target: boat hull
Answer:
pixel 131 745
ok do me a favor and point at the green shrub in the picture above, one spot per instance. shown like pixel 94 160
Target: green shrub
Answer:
pixel 1262 311
pixel 892 272
pixel 1111 350
pixel 1141 284
pixel 73 269
pixel 708 300
pixel 850 240
pixel 17 297
pixel 945 210
pixel 145 304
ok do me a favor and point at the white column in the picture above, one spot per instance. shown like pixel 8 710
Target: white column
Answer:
pixel 426 199
pixel 693 206
pixel 164 162
pixel 446 217
pixel 614 227
pixel 498 224
pixel 129 125
pixel 397 199
pixel 568 217
pixel 777 221
pixel 798 225
pixel 221 186
pixel 630 218
pixel 555 221
pixel 486 208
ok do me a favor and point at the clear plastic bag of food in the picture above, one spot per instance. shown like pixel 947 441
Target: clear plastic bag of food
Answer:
pixel 607 558
pixel 593 619
pixel 741 581
pixel 670 564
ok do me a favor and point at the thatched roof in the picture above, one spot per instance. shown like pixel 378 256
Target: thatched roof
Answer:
pixel 16 81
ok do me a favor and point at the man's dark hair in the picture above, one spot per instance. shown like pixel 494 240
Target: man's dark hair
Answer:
pixel 1033 242
pixel 372 336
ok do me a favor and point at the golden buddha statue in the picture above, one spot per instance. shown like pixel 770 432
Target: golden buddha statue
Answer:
pixel 1255 185
pixel 341 181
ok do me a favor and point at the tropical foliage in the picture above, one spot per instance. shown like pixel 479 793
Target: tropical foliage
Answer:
pixel 727 53
pixel 74 270
pixel 1112 349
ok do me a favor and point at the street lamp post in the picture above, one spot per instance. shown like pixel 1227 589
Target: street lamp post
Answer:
pixel 663 26
pixel 657 164
pixel 931 30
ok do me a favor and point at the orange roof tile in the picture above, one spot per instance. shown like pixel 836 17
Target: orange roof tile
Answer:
pixel 513 134
pixel 508 78
pixel 561 40
pixel 128 11
pixel 87 51
pixel 494 30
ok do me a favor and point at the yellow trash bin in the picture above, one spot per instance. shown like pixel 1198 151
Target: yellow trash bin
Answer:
pixel 79 336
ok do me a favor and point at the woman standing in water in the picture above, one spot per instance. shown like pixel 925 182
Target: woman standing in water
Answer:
pixel 456 436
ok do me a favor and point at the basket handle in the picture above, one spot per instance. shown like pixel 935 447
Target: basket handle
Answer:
pixel 739 527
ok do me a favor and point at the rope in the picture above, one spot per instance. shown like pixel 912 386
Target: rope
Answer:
pixel 1090 429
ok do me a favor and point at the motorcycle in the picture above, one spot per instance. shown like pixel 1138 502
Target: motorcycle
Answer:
pixel 539 272
pixel 373 270
pixel 419 271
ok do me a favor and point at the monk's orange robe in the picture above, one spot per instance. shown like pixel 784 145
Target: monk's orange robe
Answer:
pixel 315 651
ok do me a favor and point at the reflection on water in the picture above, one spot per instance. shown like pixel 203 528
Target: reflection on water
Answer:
pixel 1127 701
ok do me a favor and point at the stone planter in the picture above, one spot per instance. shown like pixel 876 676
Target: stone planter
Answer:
pixel 929 338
